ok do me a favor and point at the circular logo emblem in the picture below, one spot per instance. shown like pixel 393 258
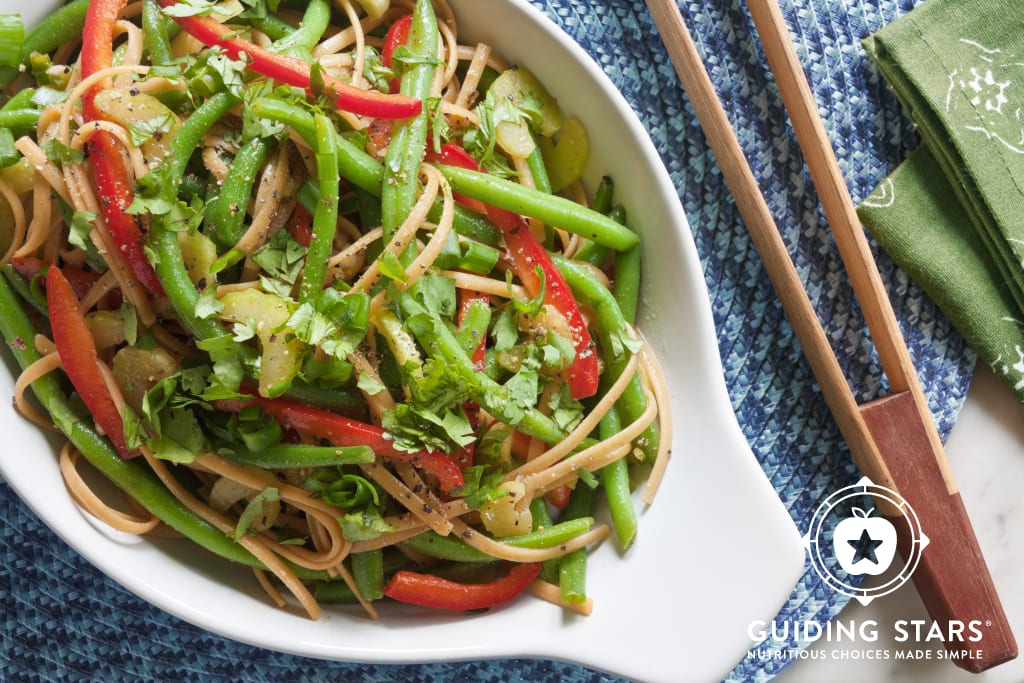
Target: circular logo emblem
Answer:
pixel 850 538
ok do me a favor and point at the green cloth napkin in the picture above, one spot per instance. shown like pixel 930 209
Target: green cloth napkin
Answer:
pixel 953 214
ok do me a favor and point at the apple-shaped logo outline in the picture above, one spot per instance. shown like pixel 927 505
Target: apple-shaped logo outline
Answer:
pixel 817 547
pixel 864 544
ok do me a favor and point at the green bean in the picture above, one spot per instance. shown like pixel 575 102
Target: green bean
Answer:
pixel 547 208
pixel 308 195
pixel 618 214
pixel 581 502
pixel 469 224
pixel 479 258
pixel 337 399
pixel 300 42
pixel 19 121
pixel 170 265
pixel 275 28
pixel 572 577
pixel 131 476
pixel 154 31
pixel 615 480
pixel 627 282
pixel 368 572
pixel 61 26
pixel 334 592
pixel 293 456
pixel 542 520
pixel 446 548
pixel 539 172
pixel 409 136
pixel 493 397
pixel 22 288
pixel 610 325
pixel 591 252
pixel 546 536
pixel 551 536
pixel 21 100
pixel 325 217
pixel 367 173
pixel 8 152
pixel 354 164
pixel 225 214
pixel 541 181
pixel 603 195
pixel 572 570
pixel 192 131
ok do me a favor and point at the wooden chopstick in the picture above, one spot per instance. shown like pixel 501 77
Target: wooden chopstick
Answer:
pixel 893 439
pixel 763 231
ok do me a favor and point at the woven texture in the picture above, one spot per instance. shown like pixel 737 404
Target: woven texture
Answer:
pixel 63 620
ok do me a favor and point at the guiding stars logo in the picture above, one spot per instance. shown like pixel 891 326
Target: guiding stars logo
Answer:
pixel 849 538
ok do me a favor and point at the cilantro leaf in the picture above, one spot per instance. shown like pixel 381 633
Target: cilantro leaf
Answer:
pixel 180 437
pixel 242 332
pixel 368 384
pixel 264 504
pixel 558 352
pixel 141 131
pixel 364 525
pixel 480 486
pixel 228 366
pixel 505 331
pixel 390 267
pixel 335 323
pixel 437 295
pixel 532 306
pixel 566 411
pixel 130 319
pixel 58 153
pixel 621 341
pixel 208 305
pixel 439 388
pixel 346 491
pixel 81 226
pixel 78 235
pixel 281 258
pixel 523 387
pixel 152 192
pixel 134 428
pixel 192 8
pixel 416 428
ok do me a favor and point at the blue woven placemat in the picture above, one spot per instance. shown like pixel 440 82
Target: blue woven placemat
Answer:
pixel 64 620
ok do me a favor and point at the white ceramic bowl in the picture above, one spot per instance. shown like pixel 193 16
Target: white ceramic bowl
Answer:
pixel 715 552
pixel 31 12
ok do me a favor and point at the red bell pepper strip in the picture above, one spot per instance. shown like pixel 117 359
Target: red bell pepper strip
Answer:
pixel 527 255
pixel 428 590
pixel 112 178
pixel 344 431
pixel 81 280
pixel 397 35
pixel 293 71
pixel 77 352
pixel 300 225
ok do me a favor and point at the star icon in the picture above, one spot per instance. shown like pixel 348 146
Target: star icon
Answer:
pixel 865 548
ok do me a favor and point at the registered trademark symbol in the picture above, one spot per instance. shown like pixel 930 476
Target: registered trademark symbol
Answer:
pixel 988 622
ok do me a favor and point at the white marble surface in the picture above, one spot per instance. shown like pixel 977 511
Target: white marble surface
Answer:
pixel 986 452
